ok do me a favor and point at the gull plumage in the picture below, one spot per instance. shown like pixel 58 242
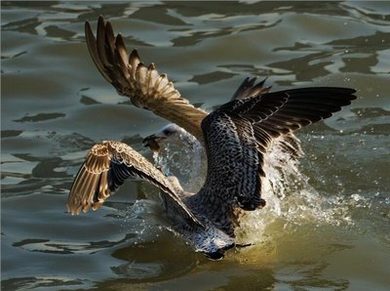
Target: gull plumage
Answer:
pixel 236 136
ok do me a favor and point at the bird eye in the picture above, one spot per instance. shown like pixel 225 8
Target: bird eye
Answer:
pixel 168 131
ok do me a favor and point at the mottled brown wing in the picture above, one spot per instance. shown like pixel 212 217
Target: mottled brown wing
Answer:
pixel 106 167
pixel 145 87
pixel 238 134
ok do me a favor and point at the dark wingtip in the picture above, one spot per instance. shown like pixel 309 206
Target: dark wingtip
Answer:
pixel 353 92
pixel 262 82
pixel 88 28
pixel 101 22
pixel 348 92
pixel 134 54
pixel 252 81
pixel 109 32
pixel 119 42
pixel 101 18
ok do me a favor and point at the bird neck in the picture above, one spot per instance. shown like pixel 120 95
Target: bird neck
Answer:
pixel 184 115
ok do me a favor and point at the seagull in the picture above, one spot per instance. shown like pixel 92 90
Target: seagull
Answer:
pixel 236 136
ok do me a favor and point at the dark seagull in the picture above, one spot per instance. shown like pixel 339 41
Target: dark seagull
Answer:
pixel 236 136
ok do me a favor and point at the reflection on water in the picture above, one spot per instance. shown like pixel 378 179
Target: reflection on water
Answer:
pixel 328 225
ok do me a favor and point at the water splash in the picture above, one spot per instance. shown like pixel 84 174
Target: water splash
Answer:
pixel 141 221
pixel 183 156
pixel 291 200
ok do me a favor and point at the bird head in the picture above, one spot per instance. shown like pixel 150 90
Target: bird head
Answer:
pixel 153 141
pixel 211 242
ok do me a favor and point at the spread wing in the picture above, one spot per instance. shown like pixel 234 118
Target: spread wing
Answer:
pixel 238 134
pixel 106 167
pixel 145 87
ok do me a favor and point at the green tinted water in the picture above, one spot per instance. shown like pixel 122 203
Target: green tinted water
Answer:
pixel 332 234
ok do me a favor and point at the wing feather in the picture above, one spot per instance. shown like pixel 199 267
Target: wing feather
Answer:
pixel 106 167
pixel 239 133
pixel 145 87
pixel 249 88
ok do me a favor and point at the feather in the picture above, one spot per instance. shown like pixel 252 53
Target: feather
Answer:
pixel 106 167
pixel 145 87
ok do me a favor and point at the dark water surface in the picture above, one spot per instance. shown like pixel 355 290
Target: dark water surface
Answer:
pixel 331 234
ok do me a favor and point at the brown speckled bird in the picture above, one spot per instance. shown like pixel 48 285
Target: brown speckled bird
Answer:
pixel 236 136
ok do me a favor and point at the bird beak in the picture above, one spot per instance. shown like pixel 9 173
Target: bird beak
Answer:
pixel 152 142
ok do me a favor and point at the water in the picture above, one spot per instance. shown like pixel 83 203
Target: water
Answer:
pixel 328 230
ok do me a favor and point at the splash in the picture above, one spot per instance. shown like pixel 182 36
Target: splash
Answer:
pixel 184 157
pixel 291 200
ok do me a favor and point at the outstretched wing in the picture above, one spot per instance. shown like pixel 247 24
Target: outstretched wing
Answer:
pixel 145 87
pixel 238 133
pixel 106 167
